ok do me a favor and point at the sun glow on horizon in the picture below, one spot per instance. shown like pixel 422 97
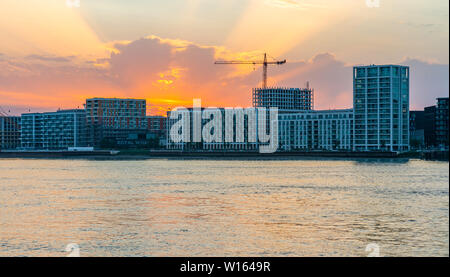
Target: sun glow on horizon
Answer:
pixel 52 55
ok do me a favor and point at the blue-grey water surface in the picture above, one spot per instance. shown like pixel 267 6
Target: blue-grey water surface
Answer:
pixel 163 207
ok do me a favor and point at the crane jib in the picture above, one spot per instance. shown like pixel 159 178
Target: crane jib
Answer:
pixel 265 63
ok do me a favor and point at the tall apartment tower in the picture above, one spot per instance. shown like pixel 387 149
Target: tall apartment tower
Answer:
pixel 381 107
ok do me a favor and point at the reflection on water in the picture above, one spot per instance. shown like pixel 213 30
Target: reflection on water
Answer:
pixel 224 207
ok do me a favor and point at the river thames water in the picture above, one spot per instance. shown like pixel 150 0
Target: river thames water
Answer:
pixel 161 207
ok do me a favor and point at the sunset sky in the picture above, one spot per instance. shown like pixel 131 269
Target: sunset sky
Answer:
pixel 54 55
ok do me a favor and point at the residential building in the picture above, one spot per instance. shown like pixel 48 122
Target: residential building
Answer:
pixel 116 121
pixel 430 126
pixel 442 122
pixel 53 130
pixel 316 130
pixel 245 144
pixel 300 130
pixel 9 132
pixel 156 124
pixel 417 129
pixel 381 107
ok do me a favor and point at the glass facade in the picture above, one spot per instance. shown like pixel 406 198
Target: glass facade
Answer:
pixel 316 130
pixel 381 107
pixel 54 131
pixel 442 122
pixel 9 132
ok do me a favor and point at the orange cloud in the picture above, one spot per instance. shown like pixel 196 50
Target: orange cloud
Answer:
pixel 168 73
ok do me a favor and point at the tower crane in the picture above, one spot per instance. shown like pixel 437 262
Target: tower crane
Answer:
pixel 264 62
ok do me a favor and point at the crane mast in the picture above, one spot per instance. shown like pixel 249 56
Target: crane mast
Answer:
pixel 265 71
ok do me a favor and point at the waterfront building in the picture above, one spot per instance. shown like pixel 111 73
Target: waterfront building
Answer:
pixel 234 145
pixel 442 122
pixel 9 132
pixel 417 120
pixel 423 128
pixel 381 107
pixel 114 121
pixel 417 125
pixel 53 130
pixel 297 130
pixel 316 130
pixel 116 113
pixel 285 99
pixel 430 126
pixel 156 124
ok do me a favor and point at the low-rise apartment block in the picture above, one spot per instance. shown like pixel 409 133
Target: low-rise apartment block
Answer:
pixel 53 130
pixel 316 130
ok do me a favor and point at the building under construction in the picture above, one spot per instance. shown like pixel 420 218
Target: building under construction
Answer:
pixel 285 99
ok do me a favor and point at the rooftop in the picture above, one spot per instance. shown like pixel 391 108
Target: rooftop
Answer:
pixel 123 99
pixel 59 111
pixel 380 65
